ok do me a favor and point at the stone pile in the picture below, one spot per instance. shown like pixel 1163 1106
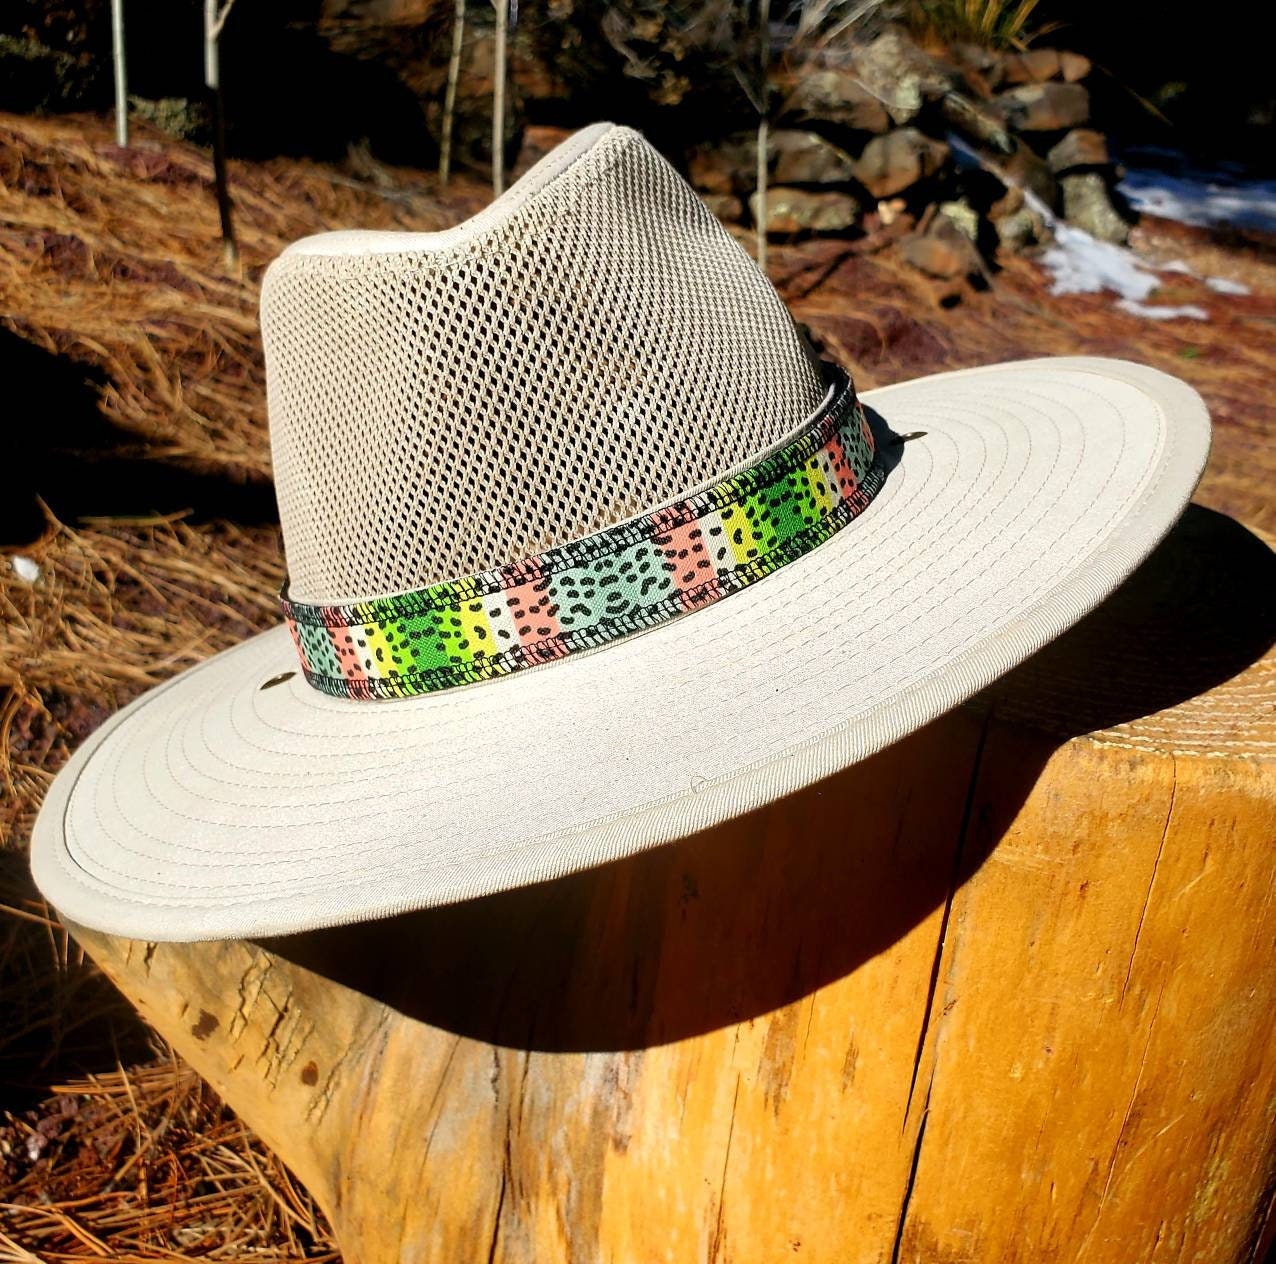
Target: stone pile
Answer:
pixel 956 156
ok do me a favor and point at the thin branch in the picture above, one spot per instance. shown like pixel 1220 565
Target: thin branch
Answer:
pixel 449 98
pixel 498 97
pixel 220 19
pixel 764 57
pixel 214 20
pixel 760 212
pixel 121 73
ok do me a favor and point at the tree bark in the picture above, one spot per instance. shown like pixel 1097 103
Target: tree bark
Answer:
pixel 498 97
pixel 764 142
pixel 120 63
pixel 214 21
pixel 449 97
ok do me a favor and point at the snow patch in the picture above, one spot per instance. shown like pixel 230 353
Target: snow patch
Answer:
pixel 1224 285
pixel 1081 264
pixel 1185 311
pixel 25 569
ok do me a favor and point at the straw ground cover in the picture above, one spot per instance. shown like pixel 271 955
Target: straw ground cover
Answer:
pixel 147 1164
pixel 110 262
pixel 112 256
pixel 138 1160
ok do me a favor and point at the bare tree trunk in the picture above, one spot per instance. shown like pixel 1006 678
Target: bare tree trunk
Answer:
pixel 449 98
pixel 760 201
pixel 498 98
pixel 764 57
pixel 121 73
pixel 214 22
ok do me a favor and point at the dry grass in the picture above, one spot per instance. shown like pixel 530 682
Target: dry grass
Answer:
pixel 992 23
pixel 137 1162
pixel 112 257
pixel 147 1164
pixel 57 1012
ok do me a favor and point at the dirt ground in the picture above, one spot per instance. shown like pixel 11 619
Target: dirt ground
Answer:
pixel 139 460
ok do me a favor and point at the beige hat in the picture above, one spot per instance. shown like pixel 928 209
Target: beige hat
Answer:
pixel 587 553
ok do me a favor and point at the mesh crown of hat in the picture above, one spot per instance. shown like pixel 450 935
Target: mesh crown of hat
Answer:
pixel 593 345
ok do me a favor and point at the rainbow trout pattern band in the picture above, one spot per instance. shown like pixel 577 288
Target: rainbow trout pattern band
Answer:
pixel 626 578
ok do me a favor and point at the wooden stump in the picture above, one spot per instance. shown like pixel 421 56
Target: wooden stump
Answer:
pixel 1004 992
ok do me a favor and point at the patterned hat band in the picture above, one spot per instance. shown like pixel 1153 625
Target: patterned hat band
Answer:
pixel 626 578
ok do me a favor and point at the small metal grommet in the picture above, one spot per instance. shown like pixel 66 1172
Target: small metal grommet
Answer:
pixel 278 680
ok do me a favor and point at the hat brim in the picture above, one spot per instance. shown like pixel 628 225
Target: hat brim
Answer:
pixel 214 807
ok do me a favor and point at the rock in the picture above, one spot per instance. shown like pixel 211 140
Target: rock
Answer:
pixel 898 160
pixel 962 216
pixel 878 236
pixel 977 122
pixel 836 96
pixel 1044 107
pixel 1087 204
pixel 1008 203
pixel 1074 67
pixel 1028 170
pixel 725 206
pixel 720 168
pixel 802 211
pixel 1035 66
pixel 896 71
pixel 891 211
pixel 187 120
pixel 932 256
pixel 805 158
pixel 1023 169
pixel 1019 230
pixel 1081 147
pixel 982 62
pixel 793 157
pixel 938 256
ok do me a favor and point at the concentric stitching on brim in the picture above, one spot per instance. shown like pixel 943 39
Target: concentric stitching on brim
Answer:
pixel 917 673
pixel 772 761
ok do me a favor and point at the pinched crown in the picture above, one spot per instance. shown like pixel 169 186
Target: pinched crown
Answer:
pixel 592 345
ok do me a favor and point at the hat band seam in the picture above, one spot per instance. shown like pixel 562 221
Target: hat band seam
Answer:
pixel 623 579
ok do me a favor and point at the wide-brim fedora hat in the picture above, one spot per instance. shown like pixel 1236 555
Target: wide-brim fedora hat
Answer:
pixel 587 552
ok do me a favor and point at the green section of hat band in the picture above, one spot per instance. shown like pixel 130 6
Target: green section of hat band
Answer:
pixel 626 578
